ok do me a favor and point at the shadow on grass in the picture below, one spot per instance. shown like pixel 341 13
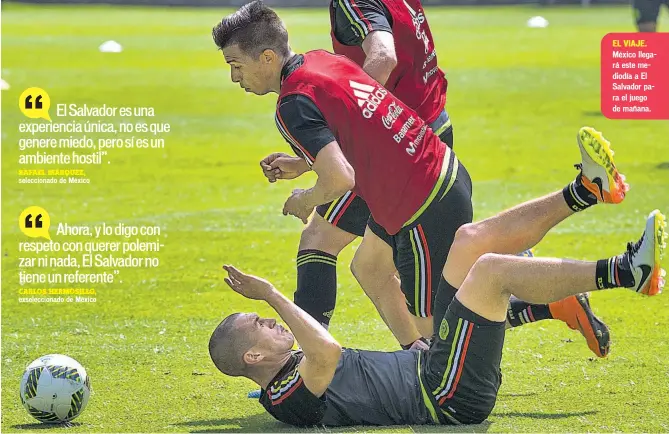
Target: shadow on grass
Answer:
pixel 253 423
pixel 517 395
pixel 36 426
pixel 593 113
pixel 546 415
pixel 265 423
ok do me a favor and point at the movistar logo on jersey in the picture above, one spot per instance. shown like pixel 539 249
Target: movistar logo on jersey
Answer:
pixel 369 97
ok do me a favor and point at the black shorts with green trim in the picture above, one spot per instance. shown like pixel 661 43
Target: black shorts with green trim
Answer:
pixel 349 213
pixel 647 11
pixel 421 248
pixel 460 374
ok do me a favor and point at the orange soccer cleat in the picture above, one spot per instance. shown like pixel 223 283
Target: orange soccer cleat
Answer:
pixel 575 311
pixel 598 170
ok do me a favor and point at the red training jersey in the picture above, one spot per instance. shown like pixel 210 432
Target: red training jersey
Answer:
pixel 398 160
pixel 416 80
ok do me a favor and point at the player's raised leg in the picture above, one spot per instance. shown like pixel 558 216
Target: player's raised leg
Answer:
pixel 460 376
pixel 525 225
pixel 493 278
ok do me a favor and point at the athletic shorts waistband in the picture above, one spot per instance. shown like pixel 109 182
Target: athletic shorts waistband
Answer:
pixel 441 124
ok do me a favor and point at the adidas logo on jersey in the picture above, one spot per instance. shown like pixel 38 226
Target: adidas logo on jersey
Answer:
pixel 369 97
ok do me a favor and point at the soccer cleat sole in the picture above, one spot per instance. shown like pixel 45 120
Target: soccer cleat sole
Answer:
pixel 600 331
pixel 579 316
pixel 655 285
pixel 599 150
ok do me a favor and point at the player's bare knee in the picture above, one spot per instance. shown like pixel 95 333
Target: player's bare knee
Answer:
pixel 310 238
pixel 319 234
pixel 357 267
pixel 489 270
pixel 486 269
pixel 468 236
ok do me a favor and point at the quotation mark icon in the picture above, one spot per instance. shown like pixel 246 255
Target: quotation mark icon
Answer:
pixel 34 103
pixel 38 102
pixel 34 222
pixel 29 221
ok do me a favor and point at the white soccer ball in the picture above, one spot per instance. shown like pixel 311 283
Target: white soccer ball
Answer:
pixel 55 388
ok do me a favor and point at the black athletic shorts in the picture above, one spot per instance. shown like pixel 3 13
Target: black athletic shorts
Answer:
pixel 420 249
pixel 350 212
pixel 647 11
pixel 460 374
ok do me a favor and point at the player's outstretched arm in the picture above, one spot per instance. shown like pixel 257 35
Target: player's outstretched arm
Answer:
pixel 379 46
pixel 321 350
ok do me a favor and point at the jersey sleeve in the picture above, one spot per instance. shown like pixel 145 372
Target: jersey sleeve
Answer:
pixel 355 19
pixel 303 126
pixel 289 401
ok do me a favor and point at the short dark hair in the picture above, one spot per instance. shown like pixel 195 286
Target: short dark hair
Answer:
pixel 227 347
pixel 255 28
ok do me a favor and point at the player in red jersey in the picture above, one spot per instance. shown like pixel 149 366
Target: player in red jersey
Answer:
pixel 392 42
pixel 353 133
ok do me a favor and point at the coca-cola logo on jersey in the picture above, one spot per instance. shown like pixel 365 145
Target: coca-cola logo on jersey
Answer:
pixel 394 112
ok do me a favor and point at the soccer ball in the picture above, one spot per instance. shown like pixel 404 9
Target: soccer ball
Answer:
pixel 55 388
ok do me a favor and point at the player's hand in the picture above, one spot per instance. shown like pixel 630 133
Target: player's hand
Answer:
pixel 289 167
pixel 298 205
pixel 419 344
pixel 247 285
pixel 282 166
pixel 267 170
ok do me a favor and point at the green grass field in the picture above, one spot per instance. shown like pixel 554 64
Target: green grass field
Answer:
pixel 517 97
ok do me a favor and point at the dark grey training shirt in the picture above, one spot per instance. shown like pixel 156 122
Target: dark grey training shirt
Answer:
pixel 368 388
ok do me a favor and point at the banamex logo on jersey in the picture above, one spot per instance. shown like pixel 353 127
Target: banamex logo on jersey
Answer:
pixel 369 97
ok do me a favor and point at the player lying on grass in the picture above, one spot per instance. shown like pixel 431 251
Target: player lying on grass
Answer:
pixel 454 382
pixel 360 137
pixel 392 42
